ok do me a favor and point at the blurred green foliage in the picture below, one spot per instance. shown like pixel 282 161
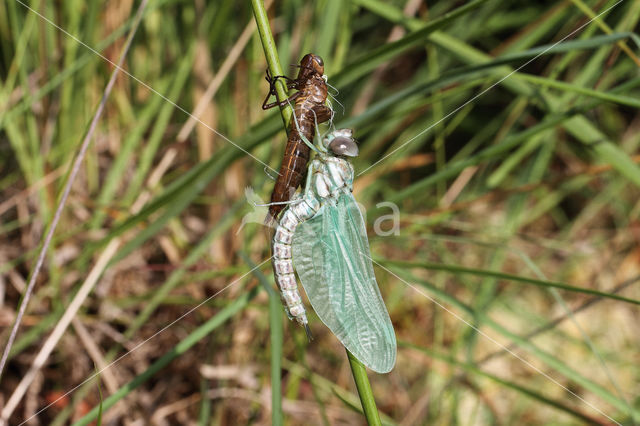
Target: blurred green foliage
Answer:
pixel 505 132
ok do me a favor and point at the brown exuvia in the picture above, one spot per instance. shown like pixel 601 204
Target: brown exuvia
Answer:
pixel 309 109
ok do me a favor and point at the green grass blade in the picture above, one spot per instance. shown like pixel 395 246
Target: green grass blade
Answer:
pixel 388 51
pixel 276 337
pixel 176 276
pixel 182 347
pixel 526 392
pixel 504 276
pixel 549 359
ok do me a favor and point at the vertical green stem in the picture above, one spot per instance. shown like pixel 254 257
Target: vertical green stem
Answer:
pixel 271 54
pixel 358 370
pixel 275 323
pixel 275 308
pixel 364 390
pixel 275 335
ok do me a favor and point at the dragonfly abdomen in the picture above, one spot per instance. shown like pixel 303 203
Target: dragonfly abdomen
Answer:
pixel 292 170
pixel 282 261
pixel 329 176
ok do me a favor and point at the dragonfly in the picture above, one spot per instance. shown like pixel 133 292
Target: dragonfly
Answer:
pixel 321 235
pixel 309 109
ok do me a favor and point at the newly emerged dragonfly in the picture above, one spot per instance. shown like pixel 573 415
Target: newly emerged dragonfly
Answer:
pixel 322 235
pixel 309 109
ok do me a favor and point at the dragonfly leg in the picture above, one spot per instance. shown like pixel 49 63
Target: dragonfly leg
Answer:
pixel 279 203
pixel 272 87
pixel 264 104
pixel 307 184
pixel 271 79
pixel 291 84
pixel 316 121
pixel 269 175
pixel 290 99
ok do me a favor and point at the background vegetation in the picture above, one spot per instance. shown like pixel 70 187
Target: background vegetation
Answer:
pixel 506 133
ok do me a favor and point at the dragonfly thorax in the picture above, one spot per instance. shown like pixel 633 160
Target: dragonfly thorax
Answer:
pixel 331 175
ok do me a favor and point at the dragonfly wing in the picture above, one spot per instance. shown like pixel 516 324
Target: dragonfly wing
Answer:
pixel 332 258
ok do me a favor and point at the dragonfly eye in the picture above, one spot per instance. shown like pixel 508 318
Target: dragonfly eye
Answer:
pixel 344 146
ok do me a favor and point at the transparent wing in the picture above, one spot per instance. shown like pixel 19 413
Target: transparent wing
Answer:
pixel 332 258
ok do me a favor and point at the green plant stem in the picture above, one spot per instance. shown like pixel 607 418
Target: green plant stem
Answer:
pixel 183 346
pixel 364 390
pixel 271 54
pixel 275 308
pixel 276 337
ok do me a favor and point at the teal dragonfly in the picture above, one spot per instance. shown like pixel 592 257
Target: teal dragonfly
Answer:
pixel 322 236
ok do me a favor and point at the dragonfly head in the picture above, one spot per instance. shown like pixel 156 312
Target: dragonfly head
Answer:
pixel 341 143
pixel 310 64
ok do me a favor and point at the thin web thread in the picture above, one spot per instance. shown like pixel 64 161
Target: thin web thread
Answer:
pixel 67 188
pixel 77 40
pixel 386 156
pixel 117 68
pixel 500 345
pixel 490 87
pixel 139 345
pixel 489 338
